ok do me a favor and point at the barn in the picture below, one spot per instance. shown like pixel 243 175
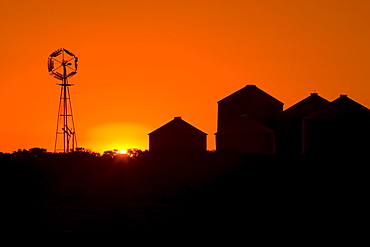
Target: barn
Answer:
pixel 177 135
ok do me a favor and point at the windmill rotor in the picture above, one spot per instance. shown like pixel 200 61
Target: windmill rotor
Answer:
pixel 62 64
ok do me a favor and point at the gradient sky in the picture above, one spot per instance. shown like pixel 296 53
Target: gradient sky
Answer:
pixel 141 63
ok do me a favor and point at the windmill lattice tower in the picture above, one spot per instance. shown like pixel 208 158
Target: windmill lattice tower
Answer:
pixel 62 64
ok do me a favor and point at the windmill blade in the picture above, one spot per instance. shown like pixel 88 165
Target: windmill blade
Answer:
pixel 69 53
pixel 50 64
pixel 57 73
pixel 56 53
pixel 72 74
pixel 58 77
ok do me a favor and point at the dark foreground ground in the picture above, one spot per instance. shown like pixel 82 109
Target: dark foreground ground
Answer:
pixel 80 193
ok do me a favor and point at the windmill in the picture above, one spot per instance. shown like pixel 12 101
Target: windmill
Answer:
pixel 62 64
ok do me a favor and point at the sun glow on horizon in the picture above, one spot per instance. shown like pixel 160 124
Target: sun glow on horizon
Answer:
pixel 119 137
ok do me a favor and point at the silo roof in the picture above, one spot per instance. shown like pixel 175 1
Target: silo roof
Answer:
pixel 341 108
pixel 252 94
pixel 177 126
pixel 307 106
pixel 245 125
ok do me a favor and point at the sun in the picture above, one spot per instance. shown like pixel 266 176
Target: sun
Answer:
pixel 121 152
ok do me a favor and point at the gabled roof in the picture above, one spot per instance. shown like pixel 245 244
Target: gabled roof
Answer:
pixel 251 94
pixel 177 126
pixel 341 108
pixel 245 125
pixel 307 106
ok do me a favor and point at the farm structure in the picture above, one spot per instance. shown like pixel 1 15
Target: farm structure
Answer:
pixel 177 135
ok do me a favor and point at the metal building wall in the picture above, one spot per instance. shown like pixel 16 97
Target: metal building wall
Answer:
pixel 246 135
pixel 250 101
pixel 179 142
pixel 289 128
pixel 177 135
pixel 342 127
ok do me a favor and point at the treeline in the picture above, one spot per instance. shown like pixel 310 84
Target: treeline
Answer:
pixel 135 174
pixel 142 173
pixel 211 188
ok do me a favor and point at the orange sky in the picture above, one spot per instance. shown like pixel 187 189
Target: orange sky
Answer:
pixel 143 62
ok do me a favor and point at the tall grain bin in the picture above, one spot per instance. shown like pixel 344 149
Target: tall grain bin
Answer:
pixel 258 105
pixel 246 135
pixel 341 127
pixel 290 123
pixel 177 135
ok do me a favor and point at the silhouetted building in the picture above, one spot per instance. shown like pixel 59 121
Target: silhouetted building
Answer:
pixel 177 135
pixel 290 123
pixel 258 105
pixel 246 135
pixel 340 127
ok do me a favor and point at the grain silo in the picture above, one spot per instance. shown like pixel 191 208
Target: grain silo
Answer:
pixel 177 135
pixel 258 105
pixel 290 123
pixel 246 135
pixel 341 127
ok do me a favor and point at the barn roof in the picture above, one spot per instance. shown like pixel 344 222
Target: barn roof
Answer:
pixel 177 126
pixel 245 125
pixel 341 108
pixel 307 106
pixel 251 94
